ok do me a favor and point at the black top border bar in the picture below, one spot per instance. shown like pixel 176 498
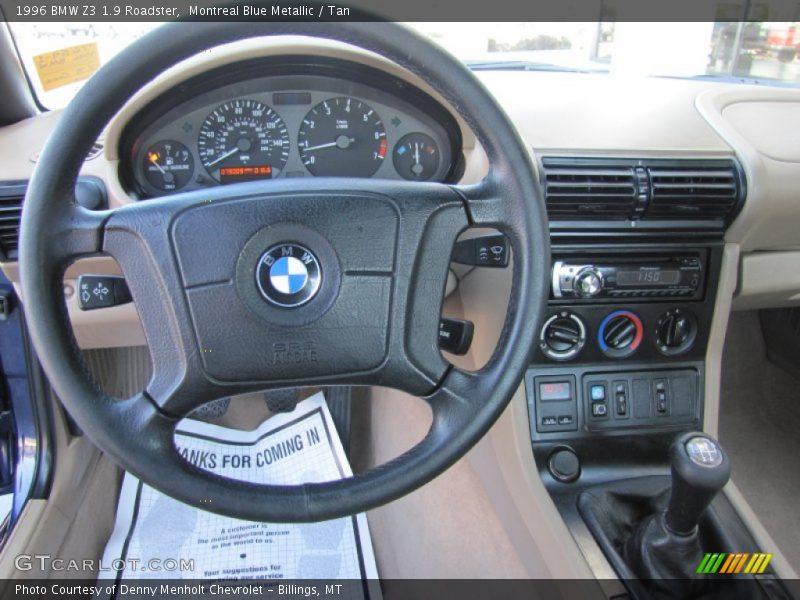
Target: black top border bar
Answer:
pixel 112 11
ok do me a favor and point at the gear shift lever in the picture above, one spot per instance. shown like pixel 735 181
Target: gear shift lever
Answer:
pixel 700 469
pixel 665 548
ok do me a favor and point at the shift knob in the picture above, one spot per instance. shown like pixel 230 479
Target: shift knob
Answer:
pixel 700 469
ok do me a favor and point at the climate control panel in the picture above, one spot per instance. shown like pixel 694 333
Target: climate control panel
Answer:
pixel 603 334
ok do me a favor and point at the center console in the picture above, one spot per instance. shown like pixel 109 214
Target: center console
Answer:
pixel 615 389
pixel 621 350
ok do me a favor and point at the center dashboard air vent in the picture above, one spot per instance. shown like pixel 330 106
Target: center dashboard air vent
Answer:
pixel 708 193
pixel 595 190
pixel 693 193
pixel 11 195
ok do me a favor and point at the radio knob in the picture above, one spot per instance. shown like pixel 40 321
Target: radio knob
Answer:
pixel 588 283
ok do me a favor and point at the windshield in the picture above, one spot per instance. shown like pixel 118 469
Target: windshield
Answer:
pixel 59 57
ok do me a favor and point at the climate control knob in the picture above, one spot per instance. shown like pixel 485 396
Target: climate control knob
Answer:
pixel 620 333
pixel 676 331
pixel 588 283
pixel 562 336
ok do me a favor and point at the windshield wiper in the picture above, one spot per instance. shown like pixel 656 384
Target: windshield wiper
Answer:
pixel 525 65
pixel 728 78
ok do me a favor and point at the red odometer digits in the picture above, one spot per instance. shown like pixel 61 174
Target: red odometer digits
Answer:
pixel 234 174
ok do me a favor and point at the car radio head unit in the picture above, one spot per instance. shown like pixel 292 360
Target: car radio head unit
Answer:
pixel 654 277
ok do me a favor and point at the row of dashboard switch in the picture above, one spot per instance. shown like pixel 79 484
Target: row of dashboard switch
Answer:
pixel 584 402
pixel 599 399
pixel 649 399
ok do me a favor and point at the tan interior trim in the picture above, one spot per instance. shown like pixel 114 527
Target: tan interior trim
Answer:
pixel 729 272
pixel 19 541
pixel 764 540
pixel 769 219
pixel 716 341
pixel 503 460
pixel 768 280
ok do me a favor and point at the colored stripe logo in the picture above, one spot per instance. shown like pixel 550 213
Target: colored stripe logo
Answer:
pixel 732 563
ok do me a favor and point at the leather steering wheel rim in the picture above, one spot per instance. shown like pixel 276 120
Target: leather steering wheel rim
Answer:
pixel 145 238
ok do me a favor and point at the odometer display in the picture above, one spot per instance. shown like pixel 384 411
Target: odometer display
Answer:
pixel 342 137
pixel 234 174
pixel 243 140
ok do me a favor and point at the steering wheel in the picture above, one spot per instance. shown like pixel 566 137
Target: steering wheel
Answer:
pixel 198 264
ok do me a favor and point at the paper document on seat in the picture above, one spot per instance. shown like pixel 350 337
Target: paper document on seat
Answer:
pixel 152 529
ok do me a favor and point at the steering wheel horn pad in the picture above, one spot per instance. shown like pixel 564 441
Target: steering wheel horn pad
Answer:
pixel 191 260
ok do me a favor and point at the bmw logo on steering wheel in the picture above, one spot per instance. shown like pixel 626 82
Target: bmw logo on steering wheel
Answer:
pixel 288 275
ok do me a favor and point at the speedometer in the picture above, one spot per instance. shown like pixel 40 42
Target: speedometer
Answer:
pixel 342 137
pixel 243 140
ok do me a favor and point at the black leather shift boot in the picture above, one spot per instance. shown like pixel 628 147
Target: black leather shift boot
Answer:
pixel 668 560
pixel 626 519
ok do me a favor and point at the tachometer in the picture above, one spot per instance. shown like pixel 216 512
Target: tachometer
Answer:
pixel 243 140
pixel 342 137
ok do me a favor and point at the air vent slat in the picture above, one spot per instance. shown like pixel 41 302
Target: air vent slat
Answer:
pixel 11 195
pixel 728 187
pixel 588 182
pixel 692 192
pixel 591 191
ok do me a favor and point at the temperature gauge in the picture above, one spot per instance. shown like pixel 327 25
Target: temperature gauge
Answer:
pixel 416 157
pixel 168 165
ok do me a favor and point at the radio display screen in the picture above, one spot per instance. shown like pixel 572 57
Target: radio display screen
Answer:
pixel 649 277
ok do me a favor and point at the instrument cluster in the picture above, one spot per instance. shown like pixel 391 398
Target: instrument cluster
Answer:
pixel 308 124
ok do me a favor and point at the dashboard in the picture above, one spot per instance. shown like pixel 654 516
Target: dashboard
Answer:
pixel 557 114
pixel 268 120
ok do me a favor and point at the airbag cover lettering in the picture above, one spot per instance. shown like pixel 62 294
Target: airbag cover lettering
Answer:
pixel 350 338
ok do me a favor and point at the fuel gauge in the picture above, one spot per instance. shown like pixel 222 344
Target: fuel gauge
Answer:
pixel 416 157
pixel 168 165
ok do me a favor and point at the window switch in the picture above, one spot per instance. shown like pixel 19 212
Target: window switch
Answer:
pixel 102 291
pixel 662 399
pixel 621 398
